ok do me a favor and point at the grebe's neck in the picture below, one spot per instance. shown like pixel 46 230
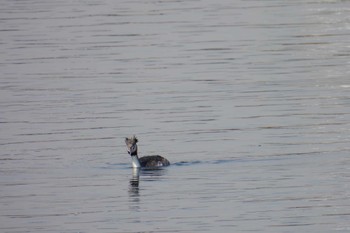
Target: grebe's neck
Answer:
pixel 135 161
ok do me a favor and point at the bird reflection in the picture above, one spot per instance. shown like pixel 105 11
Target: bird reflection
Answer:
pixel 134 182
pixel 134 194
pixel 148 174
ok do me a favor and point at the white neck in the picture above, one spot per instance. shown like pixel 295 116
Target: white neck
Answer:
pixel 135 161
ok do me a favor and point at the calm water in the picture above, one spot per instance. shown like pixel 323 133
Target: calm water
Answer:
pixel 249 100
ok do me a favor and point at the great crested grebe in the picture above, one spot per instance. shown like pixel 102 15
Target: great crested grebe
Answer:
pixel 151 161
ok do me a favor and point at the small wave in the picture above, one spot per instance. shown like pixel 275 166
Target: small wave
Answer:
pixel 116 165
pixel 220 161
pixel 187 163
pixel 181 163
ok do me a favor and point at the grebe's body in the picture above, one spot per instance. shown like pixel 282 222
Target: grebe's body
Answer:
pixel 152 161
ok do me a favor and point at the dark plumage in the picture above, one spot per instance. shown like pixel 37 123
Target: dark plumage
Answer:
pixel 153 161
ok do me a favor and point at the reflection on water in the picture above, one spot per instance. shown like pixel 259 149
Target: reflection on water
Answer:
pixel 134 182
pixel 148 175
pixel 248 99
pixel 134 191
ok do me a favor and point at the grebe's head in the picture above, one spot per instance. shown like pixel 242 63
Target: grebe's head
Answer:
pixel 131 145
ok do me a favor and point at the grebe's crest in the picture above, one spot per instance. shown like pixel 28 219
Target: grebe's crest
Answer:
pixel 131 145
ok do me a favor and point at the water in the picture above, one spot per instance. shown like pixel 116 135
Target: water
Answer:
pixel 249 100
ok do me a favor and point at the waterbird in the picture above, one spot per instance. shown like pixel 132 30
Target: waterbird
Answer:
pixel 151 161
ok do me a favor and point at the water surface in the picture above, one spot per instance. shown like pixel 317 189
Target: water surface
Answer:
pixel 249 100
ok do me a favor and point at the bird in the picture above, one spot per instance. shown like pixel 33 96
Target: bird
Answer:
pixel 151 161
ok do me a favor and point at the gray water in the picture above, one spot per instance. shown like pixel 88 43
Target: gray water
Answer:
pixel 249 100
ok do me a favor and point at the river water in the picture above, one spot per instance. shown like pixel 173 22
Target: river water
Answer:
pixel 249 100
